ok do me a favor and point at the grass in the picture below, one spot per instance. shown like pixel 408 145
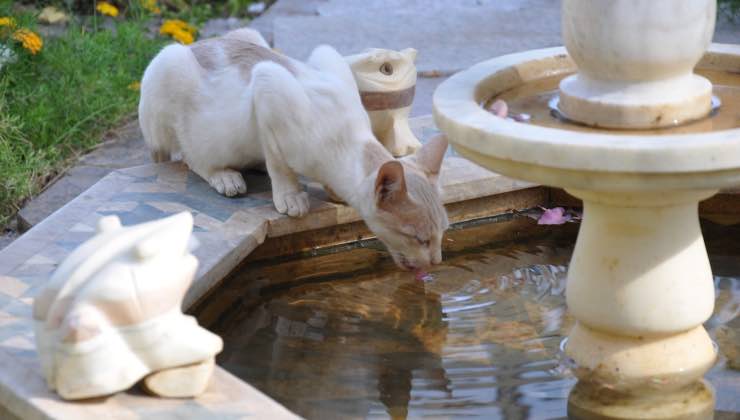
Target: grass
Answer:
pixel 57 104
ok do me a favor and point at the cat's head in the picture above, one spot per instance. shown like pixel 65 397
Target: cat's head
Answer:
pixel 407 213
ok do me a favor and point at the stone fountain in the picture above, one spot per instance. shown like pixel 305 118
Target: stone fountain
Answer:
pixel 638 136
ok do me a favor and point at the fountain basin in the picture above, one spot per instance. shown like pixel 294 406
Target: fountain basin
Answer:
pixel 640 271
pixel 572 158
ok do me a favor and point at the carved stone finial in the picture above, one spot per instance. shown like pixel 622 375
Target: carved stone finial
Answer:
pixel 387 81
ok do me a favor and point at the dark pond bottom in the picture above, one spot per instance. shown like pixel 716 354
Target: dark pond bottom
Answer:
pixel 346 335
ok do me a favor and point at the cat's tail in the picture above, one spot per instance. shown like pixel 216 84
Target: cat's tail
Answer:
pixel 170 74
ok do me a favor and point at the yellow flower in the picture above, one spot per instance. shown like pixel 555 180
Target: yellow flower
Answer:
pixel 107 9
pixel 7 21
pixel 29 39
pixel 179 30
pixel 135 86
pixel 151 6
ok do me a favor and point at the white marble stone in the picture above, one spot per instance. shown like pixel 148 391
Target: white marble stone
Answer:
pixel 386 80
pixel 111 314
pixel 635 61
pixel 639 284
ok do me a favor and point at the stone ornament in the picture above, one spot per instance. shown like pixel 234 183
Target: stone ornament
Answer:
pixel 640 285
pixel 111 314
pixel 636 61
pixel 387 82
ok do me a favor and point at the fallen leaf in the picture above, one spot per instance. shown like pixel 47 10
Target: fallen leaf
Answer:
pixel 53 16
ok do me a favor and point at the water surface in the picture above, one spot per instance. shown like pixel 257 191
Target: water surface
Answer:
pixel 533 98
pixel 346 335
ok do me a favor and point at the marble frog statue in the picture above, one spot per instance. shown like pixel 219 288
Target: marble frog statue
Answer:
pixel 387 81
pixel 111 314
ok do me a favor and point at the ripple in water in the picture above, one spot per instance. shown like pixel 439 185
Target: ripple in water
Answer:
pixel 479 337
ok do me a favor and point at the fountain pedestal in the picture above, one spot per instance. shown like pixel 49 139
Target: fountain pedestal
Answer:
pixel 639 284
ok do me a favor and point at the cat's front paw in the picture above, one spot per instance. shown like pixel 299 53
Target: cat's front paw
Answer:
pixel 228 182
pixel 294 203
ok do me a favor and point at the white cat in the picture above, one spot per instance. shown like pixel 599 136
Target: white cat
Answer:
pixel 229 103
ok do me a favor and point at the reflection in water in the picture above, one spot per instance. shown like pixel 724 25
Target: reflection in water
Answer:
pixel 479 339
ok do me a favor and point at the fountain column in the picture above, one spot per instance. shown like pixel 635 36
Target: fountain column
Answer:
pixel 641 287
pixel 636 61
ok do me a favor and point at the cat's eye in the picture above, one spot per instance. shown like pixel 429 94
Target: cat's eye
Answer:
pixel 386 68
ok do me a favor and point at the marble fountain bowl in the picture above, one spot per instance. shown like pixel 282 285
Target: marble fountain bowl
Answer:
pixel 699 156
pixel 639 281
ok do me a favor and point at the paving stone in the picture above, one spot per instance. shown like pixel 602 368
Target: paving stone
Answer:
pixel 339 7
pixel 727 31
pixel 124 148
pixel 284 8
pixel 447 42
pixel 220 26
pixel 425 87
pixel 72 184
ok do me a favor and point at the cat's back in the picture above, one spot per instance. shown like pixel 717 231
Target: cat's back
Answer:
pixel 219 55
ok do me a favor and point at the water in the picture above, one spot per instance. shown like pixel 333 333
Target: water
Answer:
pixel 533 98
pixel 346 335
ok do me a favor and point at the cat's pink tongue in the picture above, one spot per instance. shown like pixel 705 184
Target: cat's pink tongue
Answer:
pixel 421 275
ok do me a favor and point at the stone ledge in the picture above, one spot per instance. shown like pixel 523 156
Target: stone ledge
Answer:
pixel 228 229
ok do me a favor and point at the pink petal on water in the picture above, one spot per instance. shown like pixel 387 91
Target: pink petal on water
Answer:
pixel 421 275
pixel 499 108
pixel 555 216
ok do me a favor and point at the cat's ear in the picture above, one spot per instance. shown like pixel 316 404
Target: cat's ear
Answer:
pixel 390 185
pixel 430 156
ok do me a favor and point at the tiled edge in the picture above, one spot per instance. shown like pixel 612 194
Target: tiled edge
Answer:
pixel 227 230
pixel 226 234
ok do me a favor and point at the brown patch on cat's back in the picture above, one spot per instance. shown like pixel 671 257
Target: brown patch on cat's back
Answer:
pixel 206 52
pixel 218 53
pixel 246 55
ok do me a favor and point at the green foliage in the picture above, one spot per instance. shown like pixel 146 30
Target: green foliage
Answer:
pixel 58 103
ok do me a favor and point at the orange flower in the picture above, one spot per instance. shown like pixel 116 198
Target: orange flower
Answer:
pixel 179 30
pixel 135 85
pixel 151 6
pixel 106 8
pixel 7 21
pixel 30 40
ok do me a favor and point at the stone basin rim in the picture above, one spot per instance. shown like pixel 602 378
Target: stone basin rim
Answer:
pixel 458 113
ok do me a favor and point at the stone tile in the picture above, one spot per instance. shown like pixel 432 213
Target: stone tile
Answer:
pixel 447 42
pixel 284 8
pixel 123 148
pixel 345 7
pixel 726 31
pixel 220 26
pixel 11 286
pixel 425 87
pixel 72 184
